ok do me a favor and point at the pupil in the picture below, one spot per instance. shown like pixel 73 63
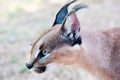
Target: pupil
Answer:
pixel 44 52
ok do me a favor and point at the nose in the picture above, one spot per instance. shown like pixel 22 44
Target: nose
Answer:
pixel 29 66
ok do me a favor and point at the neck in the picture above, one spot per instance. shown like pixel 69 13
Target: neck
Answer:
pixel 88 63
pixel 92 56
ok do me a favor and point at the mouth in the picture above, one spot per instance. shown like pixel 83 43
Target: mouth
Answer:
pixel 40 69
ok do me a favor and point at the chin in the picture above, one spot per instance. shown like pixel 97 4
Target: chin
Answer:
pixel 40 69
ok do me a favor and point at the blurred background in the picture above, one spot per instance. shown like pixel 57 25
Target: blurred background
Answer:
pixel 21 21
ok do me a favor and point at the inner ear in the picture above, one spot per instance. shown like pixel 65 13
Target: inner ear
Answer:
pixel 71 25
pixel 71 22
pixel 71 29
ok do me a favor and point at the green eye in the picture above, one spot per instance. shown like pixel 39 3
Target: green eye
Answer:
pixel 45 53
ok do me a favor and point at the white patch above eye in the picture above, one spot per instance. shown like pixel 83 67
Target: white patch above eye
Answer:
pixel 36 53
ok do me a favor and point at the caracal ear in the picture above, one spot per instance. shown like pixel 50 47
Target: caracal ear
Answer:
pixel 62 13
pixel 71 26
pixel 71 23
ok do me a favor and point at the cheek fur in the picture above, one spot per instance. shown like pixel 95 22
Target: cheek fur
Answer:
pixel 64 56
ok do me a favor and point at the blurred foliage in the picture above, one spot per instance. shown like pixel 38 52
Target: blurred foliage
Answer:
pixel 14 59
pixel 23 69
pixel 17 61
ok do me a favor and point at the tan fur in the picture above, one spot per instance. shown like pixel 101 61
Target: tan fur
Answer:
pixel 99 52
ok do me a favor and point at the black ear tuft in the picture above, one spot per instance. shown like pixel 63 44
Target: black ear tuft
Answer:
pixel 62 13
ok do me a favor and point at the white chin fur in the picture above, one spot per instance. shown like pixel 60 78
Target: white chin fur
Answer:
pixel 51 66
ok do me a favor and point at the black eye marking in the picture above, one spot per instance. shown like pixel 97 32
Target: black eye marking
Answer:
pixel 41 47
pixel 42 53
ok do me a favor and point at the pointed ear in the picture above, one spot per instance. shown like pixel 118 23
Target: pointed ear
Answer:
pixel 71 20
pixel 71 24
pixel 71 29
pixel 62 13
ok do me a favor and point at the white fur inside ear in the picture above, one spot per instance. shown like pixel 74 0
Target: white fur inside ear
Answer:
pixel 77 34
pixel 71 36
pixel 76 46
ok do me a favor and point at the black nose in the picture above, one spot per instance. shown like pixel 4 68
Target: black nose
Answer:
pixel 29 66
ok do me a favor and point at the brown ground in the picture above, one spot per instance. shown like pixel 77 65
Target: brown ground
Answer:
pixel 21 21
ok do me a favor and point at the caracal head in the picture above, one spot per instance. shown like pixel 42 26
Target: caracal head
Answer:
pixel 52 45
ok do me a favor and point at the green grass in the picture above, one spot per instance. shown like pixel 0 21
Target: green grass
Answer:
pixel 15 60
pixel 23 69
